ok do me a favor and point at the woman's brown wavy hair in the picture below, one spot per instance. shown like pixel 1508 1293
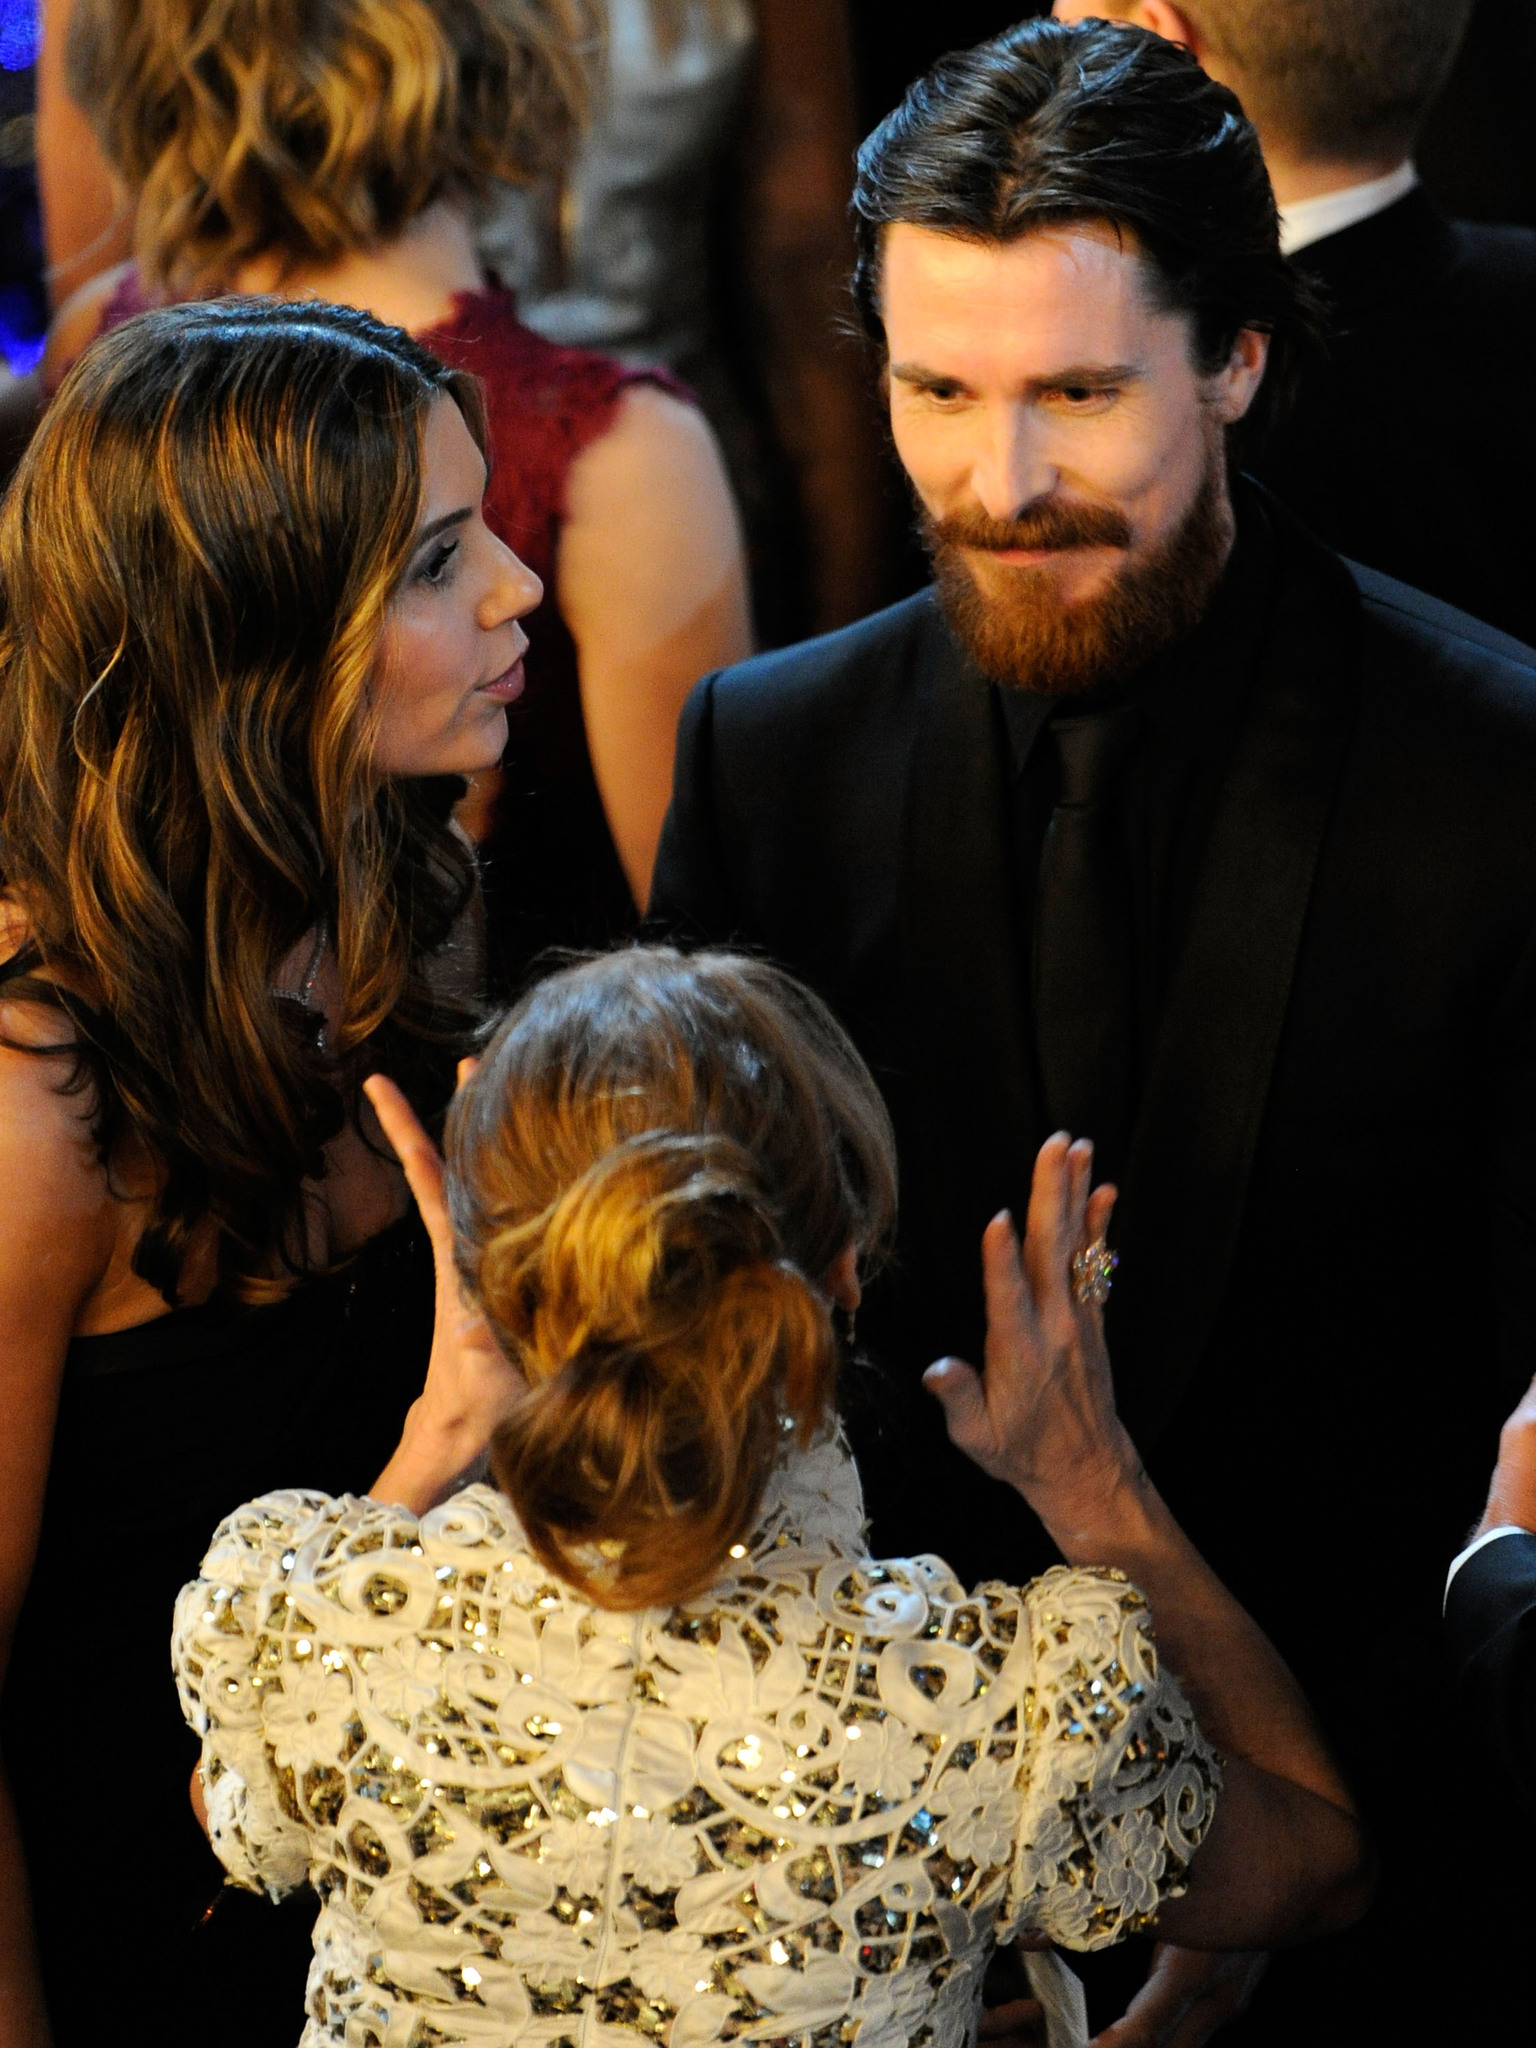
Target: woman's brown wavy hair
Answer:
pixel 196 560
pixel 311 128
pixel 655 1166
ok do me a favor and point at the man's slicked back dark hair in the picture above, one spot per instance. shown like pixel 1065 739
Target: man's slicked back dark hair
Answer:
pixel 1075 121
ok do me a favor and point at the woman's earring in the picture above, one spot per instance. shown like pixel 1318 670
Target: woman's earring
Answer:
pixel 848 1335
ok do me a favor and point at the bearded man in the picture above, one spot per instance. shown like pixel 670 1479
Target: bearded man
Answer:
pixel 1156 820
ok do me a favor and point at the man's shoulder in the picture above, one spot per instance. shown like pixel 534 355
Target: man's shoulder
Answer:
pixel 1486 306
pixel 1492 1588
pixel 881 654
pixel 1440 638
pixel 1434 282
pixel 1496 251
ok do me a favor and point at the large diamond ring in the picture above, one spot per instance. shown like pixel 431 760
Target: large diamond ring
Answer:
pixel 1093 1272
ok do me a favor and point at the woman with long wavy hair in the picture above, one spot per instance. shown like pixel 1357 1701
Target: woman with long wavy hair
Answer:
pixel 253 631
pixel 338 149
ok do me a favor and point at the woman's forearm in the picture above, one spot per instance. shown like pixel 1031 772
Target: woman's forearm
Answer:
pixel 1287 1858
pixel 23 2015
pixel 1246 1699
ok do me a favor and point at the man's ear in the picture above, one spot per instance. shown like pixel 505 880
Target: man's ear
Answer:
pixel 1160 16
pixel 1236 384
pixel 1172 24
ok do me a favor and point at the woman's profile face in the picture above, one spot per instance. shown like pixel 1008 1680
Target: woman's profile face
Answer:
pixel 451 657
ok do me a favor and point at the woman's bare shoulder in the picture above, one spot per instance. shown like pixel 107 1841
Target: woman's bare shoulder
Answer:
pixel 60 1224
pixel 45 1124
pixel 59 1228
pixel 47 1145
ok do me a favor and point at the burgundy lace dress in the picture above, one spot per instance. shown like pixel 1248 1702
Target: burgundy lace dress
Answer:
pixel 552 876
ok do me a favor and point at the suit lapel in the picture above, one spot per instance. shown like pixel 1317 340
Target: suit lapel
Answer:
pixel 964 981
pixel 1192 1155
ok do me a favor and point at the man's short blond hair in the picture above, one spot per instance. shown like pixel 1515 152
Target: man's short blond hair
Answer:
pixel 1350 80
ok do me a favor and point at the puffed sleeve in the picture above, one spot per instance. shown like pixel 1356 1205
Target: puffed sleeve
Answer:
pixel 228 1621
pixel 1119 1786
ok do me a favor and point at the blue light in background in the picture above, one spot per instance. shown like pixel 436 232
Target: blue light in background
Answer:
pixel 23 310
pixel 21 344
pixel 21 34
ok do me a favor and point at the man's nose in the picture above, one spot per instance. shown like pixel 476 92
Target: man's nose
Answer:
pixel 1011 469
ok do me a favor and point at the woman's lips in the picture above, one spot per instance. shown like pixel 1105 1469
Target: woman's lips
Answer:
pixel 505 688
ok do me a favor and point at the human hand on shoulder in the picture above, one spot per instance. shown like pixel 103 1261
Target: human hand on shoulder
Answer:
pixel 471 1388
pixel 1512 1495
pixel 1042 1415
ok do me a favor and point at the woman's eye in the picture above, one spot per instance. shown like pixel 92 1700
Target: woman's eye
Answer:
pixel 435 568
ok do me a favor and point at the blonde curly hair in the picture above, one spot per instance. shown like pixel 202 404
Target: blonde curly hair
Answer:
pixel 311 128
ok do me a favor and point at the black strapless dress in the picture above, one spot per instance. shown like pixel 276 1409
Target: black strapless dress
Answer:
pixel 162 1430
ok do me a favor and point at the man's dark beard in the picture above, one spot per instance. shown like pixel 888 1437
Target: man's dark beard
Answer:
pixel 1026 637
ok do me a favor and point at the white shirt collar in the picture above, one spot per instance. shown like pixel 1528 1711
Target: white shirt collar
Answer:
pixel 1309 220
pixel 1478 1543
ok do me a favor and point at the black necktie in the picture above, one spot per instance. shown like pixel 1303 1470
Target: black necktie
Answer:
pixel 1083 940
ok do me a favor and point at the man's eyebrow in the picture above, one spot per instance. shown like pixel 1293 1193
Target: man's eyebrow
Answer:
pixel 917 373
pixel 1091 376
pixel 439 525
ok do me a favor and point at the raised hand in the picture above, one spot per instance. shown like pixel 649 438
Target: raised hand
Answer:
pixel 471 1388
pixel 1042 1415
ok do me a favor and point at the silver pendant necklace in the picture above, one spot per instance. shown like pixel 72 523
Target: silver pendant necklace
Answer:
pixel 303 995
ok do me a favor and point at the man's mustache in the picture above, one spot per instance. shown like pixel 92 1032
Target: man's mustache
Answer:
pixel 1048 524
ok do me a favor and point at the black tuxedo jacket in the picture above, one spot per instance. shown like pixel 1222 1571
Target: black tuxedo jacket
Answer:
pixel 1327 1300
pixel 1490 1636
pixel 1413 446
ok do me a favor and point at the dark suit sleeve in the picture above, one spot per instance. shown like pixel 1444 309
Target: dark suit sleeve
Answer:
pixel 1511 1093
pixel 1490 1629
pixel 691 896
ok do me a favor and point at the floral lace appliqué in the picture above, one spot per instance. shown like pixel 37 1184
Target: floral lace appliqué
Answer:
pixel 813 1798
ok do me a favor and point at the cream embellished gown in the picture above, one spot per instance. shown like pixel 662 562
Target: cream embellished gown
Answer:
pixel 819 1794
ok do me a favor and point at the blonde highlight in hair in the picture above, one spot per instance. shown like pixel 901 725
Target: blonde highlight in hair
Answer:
pixel 657 1162
pixel 196 560
pixel 311 128
pixel 664 1338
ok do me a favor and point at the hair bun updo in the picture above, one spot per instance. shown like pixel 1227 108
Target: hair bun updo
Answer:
pixel 658 1161
pixel 668 1344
